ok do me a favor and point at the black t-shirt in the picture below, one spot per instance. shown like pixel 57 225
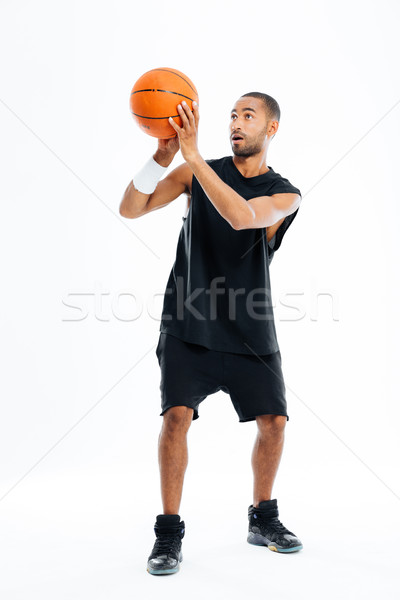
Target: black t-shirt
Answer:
pixel 218 293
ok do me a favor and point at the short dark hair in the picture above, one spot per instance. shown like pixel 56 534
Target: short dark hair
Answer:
pixel 271 106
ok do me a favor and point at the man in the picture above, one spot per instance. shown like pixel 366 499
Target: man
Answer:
pixel 217 328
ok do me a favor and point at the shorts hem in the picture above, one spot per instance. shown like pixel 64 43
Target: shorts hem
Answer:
pixel 246 419
pixel 195 411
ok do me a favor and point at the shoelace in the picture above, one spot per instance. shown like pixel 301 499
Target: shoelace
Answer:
pixel 276 525
pixel 166 543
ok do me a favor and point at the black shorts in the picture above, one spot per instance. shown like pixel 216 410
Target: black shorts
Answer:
pixel 190 373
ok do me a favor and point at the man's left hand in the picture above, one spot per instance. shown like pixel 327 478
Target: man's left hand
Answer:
pixel 187 134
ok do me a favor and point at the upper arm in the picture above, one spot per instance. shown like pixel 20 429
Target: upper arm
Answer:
pixel 178 182
pixel 276 233
pixel 272 229
pixel 265 211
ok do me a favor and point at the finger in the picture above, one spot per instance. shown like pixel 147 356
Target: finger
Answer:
pixel 189 113
pixel 183 115
pixel 196 113
pixel 174 125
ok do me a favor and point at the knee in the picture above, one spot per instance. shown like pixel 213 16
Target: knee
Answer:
pixel 178 418
pixel 271 424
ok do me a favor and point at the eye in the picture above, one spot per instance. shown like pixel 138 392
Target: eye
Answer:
pixel 249 115
pixel 232 116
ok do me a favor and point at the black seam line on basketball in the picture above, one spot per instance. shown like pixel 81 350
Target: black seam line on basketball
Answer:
pixel 143 117
pixel 173 73
pixel 165 91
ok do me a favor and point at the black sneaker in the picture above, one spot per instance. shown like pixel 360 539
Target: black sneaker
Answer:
pixel 265 529
pixel 167 553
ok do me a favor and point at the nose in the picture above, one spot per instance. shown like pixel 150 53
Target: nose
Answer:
pixel 235 126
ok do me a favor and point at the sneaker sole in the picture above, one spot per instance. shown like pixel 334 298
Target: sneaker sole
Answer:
pixel 162 571
pixel 165 571
pixel 258 540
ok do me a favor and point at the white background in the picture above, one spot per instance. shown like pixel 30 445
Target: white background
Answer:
pixel 80 386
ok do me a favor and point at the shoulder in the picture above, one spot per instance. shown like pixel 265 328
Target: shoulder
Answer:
pixel 186 174
pixel 217 162
pixel 282 185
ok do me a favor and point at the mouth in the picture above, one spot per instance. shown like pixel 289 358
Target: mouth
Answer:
pixel 236 139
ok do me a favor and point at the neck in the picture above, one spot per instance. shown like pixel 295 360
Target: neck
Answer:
pixel 251 166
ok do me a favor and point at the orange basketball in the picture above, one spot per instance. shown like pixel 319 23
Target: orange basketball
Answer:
pixel 154 99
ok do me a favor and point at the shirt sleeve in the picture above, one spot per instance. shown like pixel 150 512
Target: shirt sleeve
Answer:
pixel 283 187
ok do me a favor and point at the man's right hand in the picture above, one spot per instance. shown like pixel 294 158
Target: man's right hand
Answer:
pixel 167 148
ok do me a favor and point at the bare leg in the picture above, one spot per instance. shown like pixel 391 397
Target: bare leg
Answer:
pixel 267 454
pixel 173 456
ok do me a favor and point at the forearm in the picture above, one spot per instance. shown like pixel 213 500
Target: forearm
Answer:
pixel 133 201
pixel 230 205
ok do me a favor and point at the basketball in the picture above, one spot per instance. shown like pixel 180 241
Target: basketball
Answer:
pixel 154 99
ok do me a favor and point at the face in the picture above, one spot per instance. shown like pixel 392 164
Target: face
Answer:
pixel 248 122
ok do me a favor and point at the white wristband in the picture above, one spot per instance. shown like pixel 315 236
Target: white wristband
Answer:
pixel 146 179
